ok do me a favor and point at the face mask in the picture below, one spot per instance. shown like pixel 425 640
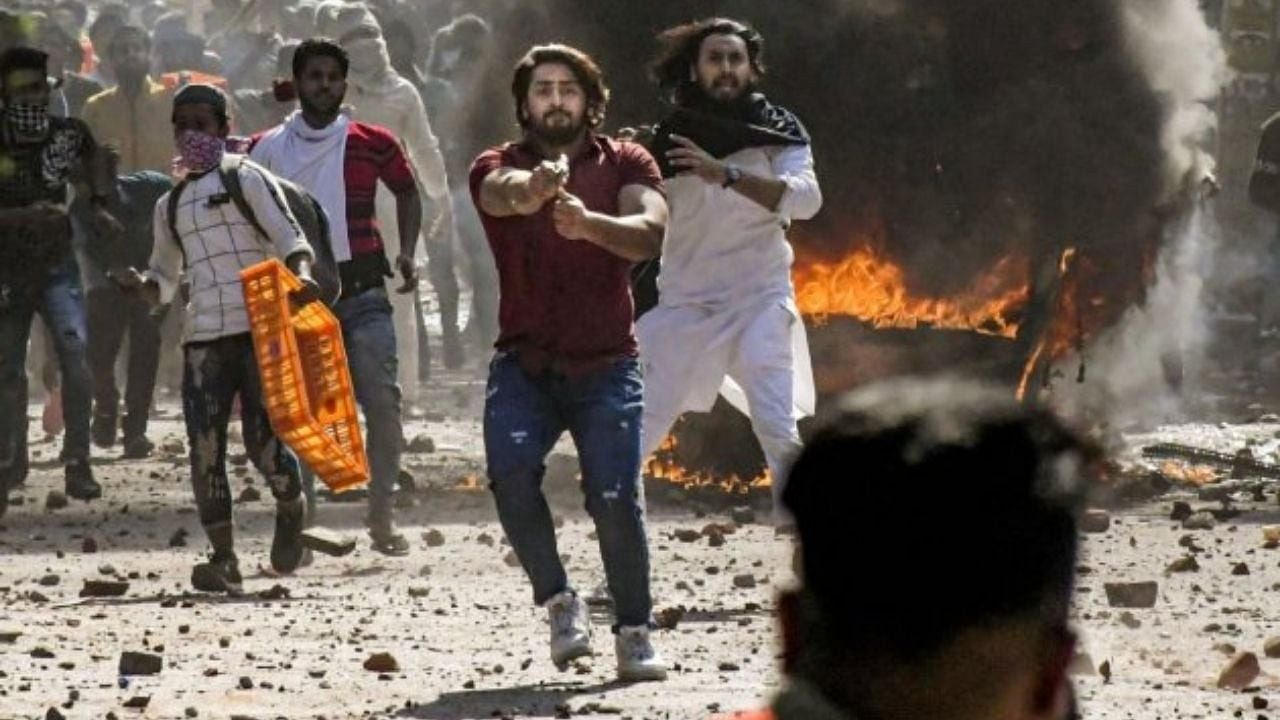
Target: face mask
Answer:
pixel 200 151
pixel 27 119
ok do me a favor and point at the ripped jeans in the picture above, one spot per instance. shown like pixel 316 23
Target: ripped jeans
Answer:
pixel 213 374
pixel 523 418
pixel 60 303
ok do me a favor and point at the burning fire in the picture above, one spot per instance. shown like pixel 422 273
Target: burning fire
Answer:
pixel 867 285
pixel 664 466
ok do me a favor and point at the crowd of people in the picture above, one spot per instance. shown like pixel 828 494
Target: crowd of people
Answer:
pixel 110 230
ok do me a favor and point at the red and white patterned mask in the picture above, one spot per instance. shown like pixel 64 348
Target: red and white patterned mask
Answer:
pixel 200 152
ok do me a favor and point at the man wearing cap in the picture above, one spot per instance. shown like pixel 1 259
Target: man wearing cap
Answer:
pixel 214 242
pixel 38 273
pixel 977 628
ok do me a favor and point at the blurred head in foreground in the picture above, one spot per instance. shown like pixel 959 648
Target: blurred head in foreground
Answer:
pixel 937 523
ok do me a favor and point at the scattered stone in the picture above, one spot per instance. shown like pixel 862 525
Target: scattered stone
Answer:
pixel 1203 520
pixel 745 581
pixel 1105 671
pixel 728 667
pixel 328 542
pixel 433 538
pixel 511 560
pixel 50 580
pixel 173 447
pixel 104 588
pixel 275 592
pixel 669 618
pixel 1271 648
pixel 9 637
pixel 1132 595
pixel 1128 620
pixel 382 662
pixel 138 702
pixel 89 545
pixel 687 535
pixel 249 495
pixel 1095 521
pixel 422 444
pixel 245 683
pixel 1240 672
pixel 53 714
pixel 1240 569
pixel 1186 563
pixel 1181 511
pixel 419 592
pixel 485 539
pixel 42 653
pixel 744 515
pixel 55 500
pixel 1260 703
pixel 191 712
pixel 140 663
pixel 179 538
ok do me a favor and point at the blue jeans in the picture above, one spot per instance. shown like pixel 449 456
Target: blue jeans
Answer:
pixel 60 301
pixel 523 418
pixel 369 336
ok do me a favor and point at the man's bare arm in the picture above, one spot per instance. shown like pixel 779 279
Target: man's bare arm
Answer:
pixel 508 191
pixel 635 234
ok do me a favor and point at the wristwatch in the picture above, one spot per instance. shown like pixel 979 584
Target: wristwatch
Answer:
pixel 732 174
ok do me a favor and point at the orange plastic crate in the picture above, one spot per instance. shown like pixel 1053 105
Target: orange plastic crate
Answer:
pixel 306 384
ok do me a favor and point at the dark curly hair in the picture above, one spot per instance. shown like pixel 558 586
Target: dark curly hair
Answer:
pixel 319 47
pixel 584 68
pixel 678 53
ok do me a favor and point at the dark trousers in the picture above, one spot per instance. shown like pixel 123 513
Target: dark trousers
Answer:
pixel 524 417
pixel 112 314
pixel 214 374
pixel 60 302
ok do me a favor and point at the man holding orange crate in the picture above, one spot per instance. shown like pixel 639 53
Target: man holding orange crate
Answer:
pixel 340 162
pixel 214 242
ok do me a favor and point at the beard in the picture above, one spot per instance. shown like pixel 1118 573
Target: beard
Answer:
pixel 323 105
pixel 725 93
pixel 559 134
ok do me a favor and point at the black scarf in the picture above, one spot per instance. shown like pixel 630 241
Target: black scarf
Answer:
pixel 725 128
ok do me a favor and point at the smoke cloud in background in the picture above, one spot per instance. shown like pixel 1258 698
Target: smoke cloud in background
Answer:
pixel 983 127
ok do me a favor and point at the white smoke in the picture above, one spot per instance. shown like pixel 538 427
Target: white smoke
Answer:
pixel 1184 61
pixel 1132 368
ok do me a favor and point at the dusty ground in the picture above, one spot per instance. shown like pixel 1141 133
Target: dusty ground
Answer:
pixel 458 620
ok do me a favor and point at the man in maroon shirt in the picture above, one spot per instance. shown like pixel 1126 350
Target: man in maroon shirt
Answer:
pixel 341 162
pixel 567 212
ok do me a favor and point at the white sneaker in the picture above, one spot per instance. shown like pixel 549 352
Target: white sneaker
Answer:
pixel 637 660
pixel 570 629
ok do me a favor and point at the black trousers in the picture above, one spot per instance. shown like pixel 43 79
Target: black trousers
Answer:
pixel 112 314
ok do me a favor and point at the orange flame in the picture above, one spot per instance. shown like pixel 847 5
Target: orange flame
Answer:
pixel 867 285
pixel 663 466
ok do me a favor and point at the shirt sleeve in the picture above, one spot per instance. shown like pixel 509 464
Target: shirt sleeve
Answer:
pixel 803 198
pixel 397 173
pixel 165 266
pixel 425 147
pixel 638 167
pixel 488 161
pixel 266 199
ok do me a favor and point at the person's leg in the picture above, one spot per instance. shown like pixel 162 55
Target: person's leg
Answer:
pixel 143 365
pixel 63 311
pixel 764 367
pixel 482 323
pixel 604 414
pixel 209 383
pixel 106 321
pixel 424 339
pixel 16 311
pixel 521 425
pixel 273 459
pixel 445 281
pixel 369 335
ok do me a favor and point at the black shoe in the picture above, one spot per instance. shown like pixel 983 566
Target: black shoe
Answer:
pixel 387 540
pixel 286 546
pixel 220 575
pixel 103 431
pixel 137 447
pixel 80 482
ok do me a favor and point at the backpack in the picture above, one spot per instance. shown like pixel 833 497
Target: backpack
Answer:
pixel 305 208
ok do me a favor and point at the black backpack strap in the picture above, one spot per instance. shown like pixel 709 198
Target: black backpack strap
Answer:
pixel 175 196
pixel 229 171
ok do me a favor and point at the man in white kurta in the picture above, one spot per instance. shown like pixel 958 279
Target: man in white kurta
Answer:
pixel 380 96
pixel 739 170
